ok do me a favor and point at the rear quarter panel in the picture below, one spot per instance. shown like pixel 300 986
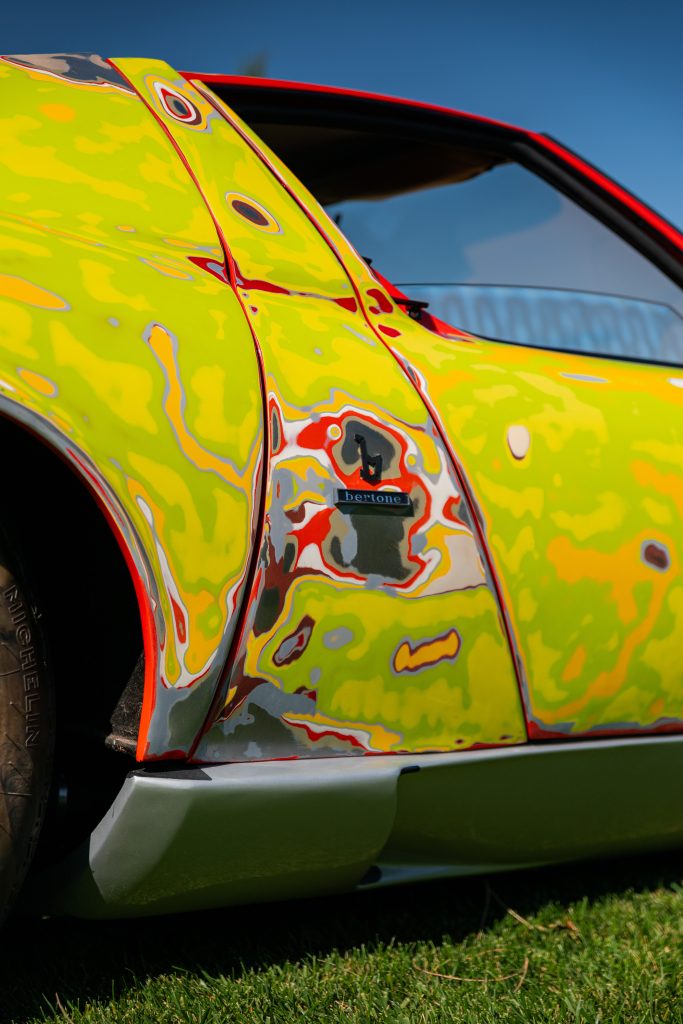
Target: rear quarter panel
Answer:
pixel 115 323
pixel 363 634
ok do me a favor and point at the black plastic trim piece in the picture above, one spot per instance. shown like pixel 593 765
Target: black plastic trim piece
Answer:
pixel 158 771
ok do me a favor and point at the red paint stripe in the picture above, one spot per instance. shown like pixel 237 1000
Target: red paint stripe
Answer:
pixel 539 733
pixel 148 625
pixel 331 90
pixel 252 560
pixel 481 536
pixel 81 470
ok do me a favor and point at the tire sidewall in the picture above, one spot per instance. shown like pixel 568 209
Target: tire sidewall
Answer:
pixel 26 728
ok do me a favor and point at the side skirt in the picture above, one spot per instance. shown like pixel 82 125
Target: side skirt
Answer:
pixel 241 833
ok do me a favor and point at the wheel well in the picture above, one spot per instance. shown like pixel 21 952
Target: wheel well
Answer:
pixel 89 613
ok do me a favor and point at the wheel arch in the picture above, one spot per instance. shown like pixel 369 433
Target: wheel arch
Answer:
pixel 91 596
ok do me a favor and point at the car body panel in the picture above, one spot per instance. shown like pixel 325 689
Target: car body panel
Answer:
pixel 115 327
pixel 442 616
pixel 574 468
pixel 576 464
pixel 423 660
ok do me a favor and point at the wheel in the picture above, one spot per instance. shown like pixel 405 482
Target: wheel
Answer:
pixel 26 728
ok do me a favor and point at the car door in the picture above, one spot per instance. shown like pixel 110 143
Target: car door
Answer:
pixel 558 386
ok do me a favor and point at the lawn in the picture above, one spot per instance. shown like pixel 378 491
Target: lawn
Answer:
pixel 594 942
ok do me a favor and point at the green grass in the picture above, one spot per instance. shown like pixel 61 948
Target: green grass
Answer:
pixel 596 942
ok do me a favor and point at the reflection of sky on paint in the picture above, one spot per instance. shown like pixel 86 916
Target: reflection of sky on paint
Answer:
pixel 606 79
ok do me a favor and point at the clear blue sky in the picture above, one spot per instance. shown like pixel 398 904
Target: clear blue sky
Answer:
pixel 605 78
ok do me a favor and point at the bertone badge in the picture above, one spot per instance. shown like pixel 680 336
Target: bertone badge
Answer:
pixel 364 502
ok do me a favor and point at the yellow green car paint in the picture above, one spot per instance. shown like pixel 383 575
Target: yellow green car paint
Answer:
pixel 575 468
pixel 582 510
pixel 366 635
pixel 131 359
pixel 374 636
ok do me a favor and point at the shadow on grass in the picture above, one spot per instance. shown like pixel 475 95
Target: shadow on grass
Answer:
pixel 93 961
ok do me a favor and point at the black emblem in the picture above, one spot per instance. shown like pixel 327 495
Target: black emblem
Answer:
pixel 371 471
pixel 394 503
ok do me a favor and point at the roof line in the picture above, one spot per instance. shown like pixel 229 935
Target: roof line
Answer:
pixel 284 84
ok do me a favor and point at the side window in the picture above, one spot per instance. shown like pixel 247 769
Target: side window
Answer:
pixel 501 253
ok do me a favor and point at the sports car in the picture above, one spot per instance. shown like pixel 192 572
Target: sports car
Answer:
pixel 342 505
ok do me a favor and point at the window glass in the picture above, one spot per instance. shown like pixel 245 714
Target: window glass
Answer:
pixel 505 255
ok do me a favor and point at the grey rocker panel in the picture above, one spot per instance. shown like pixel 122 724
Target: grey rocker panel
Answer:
pixel 248 832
